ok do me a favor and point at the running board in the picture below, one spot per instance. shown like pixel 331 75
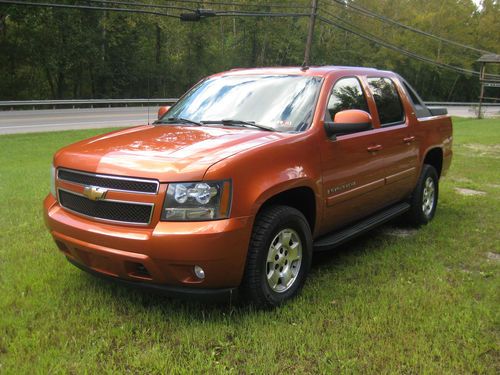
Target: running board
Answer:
pixel 330 241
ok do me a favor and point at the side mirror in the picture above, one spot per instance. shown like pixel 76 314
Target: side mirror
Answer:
pixel 347 122
pixel 163 110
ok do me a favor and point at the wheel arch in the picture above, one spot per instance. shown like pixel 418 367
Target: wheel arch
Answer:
pixel 434 157
pixel 302 198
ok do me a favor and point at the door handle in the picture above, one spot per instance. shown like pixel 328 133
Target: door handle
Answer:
pixel 409 139
pixel 374 148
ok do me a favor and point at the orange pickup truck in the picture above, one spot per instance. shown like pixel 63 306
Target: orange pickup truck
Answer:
pixel 245 177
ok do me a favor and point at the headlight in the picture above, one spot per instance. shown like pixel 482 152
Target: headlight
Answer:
pixel 196 201
pixel 53 181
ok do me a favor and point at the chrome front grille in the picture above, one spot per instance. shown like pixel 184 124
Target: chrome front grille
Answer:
pixel 107 210
pixel 134 185
pixel 115 204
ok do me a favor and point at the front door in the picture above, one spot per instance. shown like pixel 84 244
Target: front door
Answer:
pixel 353 164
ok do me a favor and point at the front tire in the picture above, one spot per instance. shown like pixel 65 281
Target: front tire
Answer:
pixel 279 256
pixel 424 198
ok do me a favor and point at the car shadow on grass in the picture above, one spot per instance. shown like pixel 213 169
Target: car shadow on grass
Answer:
pixel 371 240
pixel 202 309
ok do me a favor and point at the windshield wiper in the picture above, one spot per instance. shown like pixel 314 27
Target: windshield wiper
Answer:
pixel 178 120
pixel 252 124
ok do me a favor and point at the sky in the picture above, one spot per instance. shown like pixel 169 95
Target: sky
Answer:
pixel 477 2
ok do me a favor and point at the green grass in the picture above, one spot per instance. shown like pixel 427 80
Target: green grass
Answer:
pixel 428 303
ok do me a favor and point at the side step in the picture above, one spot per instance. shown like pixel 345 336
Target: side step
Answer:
pixel 330 241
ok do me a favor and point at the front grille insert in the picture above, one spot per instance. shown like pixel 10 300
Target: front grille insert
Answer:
pixel 111 182
pixel 108 210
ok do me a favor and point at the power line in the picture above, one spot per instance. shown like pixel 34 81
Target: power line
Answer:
pixel 217 12
pixel 136 4
pixel 239 13
pixel 197 2
pixel 382 18
pixel 367 36
pixel 70 6
pixel 399 49
pixel 233 13
pixel 272 5
pixel 388 45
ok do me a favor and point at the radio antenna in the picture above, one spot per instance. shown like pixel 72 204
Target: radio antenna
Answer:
pixel 148 95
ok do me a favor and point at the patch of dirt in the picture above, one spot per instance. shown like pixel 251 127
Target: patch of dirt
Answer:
pixel 469 192
pixel 484 150
pixel 495 186
pixel 399 232
pixel 461 179
pixel 493 256
pixel 461 269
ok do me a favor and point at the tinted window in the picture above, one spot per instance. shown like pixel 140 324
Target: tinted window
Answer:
pixel 420 108
pixel 346 94
pixel 390 109
pixel 412 94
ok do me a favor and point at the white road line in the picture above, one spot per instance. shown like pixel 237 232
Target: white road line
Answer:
pixel 79 111
pixel 66 124
pixel 62 118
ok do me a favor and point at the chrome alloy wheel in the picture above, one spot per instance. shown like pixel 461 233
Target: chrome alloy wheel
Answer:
pixel 428 196
pixel 284 258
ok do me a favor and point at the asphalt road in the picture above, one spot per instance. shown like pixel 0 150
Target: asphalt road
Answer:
pixel 65 119
pixel 464 111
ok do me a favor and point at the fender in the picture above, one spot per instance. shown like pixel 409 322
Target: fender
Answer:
pixel 263 172
pixel 285 186
pixel 436 132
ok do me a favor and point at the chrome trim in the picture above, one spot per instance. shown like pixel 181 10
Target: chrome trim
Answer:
pixel 110 177
pixel 107 200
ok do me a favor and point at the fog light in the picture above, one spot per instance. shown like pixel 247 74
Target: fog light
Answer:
pixel 198 271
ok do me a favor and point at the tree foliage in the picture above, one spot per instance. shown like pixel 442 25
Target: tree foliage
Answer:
pixel 71 53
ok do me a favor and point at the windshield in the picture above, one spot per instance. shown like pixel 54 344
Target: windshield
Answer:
pixel 281 103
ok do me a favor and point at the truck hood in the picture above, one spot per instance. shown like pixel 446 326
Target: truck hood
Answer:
pixel 165 152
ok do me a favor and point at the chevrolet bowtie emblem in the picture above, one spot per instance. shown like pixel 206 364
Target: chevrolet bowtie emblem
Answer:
pixel 94 193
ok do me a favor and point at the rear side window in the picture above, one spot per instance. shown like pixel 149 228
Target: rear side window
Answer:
pixel 390 109
pixel 420 109
pixel 346 94
pixel 412 94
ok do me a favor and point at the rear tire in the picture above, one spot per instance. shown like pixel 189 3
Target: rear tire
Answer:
pixel 424 198
pixel 279 256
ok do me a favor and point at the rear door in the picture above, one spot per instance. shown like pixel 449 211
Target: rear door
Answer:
pixel 397 136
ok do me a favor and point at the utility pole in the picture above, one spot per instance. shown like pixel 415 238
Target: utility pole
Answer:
pixel 312 21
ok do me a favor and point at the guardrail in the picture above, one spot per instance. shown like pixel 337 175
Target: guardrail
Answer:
pixel 461 104
pixel 83 102
pixel 11 104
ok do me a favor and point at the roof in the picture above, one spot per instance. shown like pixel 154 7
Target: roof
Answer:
pixel 297 70
pixel 489 58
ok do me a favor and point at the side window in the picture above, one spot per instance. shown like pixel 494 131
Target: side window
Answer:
pixel 346 94
pixel 412 94
pixel 390 109
pixel 420 109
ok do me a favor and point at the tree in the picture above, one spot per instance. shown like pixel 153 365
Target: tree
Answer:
pixel 68 53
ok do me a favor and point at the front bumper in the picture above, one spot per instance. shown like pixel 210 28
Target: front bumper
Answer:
pixel 162 257
pixel 175 291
